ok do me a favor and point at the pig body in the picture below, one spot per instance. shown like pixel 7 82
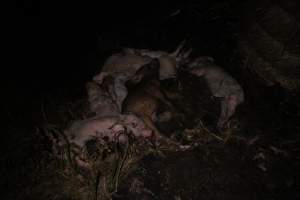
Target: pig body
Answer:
pixel 102 98
pixel 112 128
pixel 121 67
pixel 125 62
pixel 121 63
pixel 221 84
pixel 146 98
pixel 144 106
pixel 117 89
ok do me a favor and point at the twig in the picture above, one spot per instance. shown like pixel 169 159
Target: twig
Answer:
pixel 207 131
pixel 120 166
pixel 44 115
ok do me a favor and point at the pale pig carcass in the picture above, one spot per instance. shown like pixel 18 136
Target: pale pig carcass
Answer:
pixel 221 84
pixel 112 128
pixel 125 63
pixel 121 67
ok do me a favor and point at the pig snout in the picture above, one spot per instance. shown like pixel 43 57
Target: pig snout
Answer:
pixel 147 133
pixel 137 126
pixel 141 130
pixel 118 132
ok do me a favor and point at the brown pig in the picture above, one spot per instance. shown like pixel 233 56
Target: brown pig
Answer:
pixel 145 98
pixel 221 84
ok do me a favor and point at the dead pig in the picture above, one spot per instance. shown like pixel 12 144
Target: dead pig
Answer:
pixel 121 67
pixel 112 128
pixel 221 84
pixel 121 63
pixel 145 98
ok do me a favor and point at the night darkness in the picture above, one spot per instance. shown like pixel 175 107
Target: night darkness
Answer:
pixel 51 49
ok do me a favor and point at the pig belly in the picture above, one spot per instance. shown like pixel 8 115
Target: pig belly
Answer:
pixel 227 87
pixel 84 130
pixel 220 83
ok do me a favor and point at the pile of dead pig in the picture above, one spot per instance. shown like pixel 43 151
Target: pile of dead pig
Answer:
pixel 128 107
pixel 126 96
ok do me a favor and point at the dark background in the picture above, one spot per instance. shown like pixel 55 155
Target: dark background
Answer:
pixel 54 44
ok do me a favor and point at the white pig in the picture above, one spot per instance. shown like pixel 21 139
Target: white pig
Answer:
pixel 121 63
pixel 221 84
pixel 113 128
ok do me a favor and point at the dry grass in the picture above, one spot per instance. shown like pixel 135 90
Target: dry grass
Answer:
pixel 95 172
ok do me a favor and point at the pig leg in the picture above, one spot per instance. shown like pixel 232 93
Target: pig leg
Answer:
pixel 228 107
pixel 148 121
pixel 163 97
pixel 158 136
pixel 223 114
pixel 232 104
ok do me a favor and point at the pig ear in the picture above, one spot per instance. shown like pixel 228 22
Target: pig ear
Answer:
pixel 178 49
pixel 186 54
